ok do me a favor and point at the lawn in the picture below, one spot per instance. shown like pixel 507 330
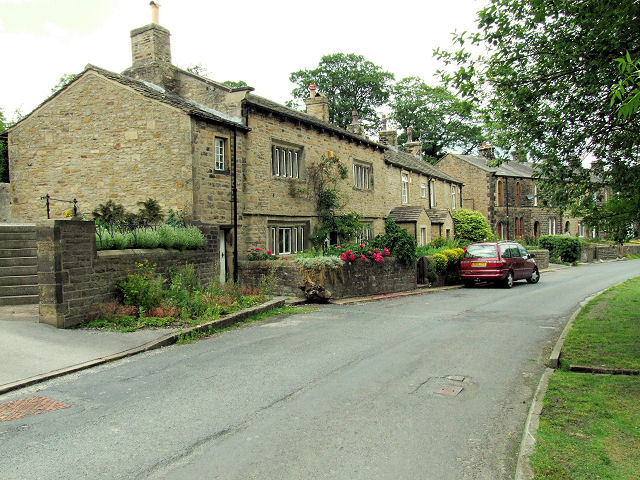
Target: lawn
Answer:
pixel 590 424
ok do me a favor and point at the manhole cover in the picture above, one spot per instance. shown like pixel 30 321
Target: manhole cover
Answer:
pixel 448 390
pixel 27 407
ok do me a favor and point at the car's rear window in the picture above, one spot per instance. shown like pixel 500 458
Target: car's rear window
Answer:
pixel 481 251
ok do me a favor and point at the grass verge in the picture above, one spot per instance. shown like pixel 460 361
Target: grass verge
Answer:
pixel 606 333
pixel 589 428
pixel 590 424
pixel 273 312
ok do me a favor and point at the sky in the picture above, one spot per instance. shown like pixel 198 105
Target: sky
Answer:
pixel 259 42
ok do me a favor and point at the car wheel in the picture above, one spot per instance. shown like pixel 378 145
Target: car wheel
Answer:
pixel 508 282
pixel 468 283
pixel 535 276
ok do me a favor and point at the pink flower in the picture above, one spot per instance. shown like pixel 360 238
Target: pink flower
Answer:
pixel 375 250
pixel 338 247
pixel 324 169
pixel 369 252
pixel 275 256
pixel 257 249
pixel 286 258
pixel 377 258
pixel 339 161
pixel 363 257
pixel 362 245
pixel 269 252
pixel 348 252
pixel 343 257
pixel 352 257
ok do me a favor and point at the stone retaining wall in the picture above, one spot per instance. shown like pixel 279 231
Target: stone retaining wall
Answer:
pixel 592 253
pixel 73 277
pixel 5 203
pixel 542 258
pixel 357 279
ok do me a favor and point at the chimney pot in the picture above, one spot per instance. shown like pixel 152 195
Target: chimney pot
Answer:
pixel 312 90
pixel 354 113
pixel 409 135
pixel 384 122
pixel 155 12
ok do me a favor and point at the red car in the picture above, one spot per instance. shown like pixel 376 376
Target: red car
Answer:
pixel 500 262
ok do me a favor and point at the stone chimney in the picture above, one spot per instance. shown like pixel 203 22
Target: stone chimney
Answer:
pixel 317 105
pixel 151 54
pixel 356 127
pixel 486 150
pixel 387 137
pixel 414 148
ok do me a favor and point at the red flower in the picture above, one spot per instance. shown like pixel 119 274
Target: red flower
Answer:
pixel 352 257
pixel 343 257
pixel 338 247
pixel 348 252
pixel 361 245
pixel 257 249
pixel 269 252
pixel 375 250
pixel 363 257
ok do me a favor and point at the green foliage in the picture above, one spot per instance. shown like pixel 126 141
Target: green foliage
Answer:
pixel 470 225
pixel 441 262
pixel 545 78
pixel 257 254
pixel 401 245
pixel 176 218
pixel 150 211
pixel 233 84
pixel 109 212
pixel 142 289
pixel 350 83
pixel 65 80
pixel 438 246
pixel 567 249
pixel 626 93
pixel 165 236
pixel 439 120
pixel 329 262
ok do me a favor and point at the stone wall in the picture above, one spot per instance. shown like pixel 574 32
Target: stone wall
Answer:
pixel 542 258
pixel 73 277
pixel 356 279
pixel 5 203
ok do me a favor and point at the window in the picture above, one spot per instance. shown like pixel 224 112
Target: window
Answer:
pixel 581 230
pixel 219 153
pixel 432 194
pixel 518 194
pixel 423 236
pixel 517 228
pixel 500 230
pixel 361 176
pixel 365 234
pixel 535 195
pixel 405 188
pixel 286 239
pixel 285 162
pixel 521 227
pixel 423 190
pixel 499 193
pixel 453 197
pixel 552 226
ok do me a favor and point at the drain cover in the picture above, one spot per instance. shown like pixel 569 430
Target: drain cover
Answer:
pixel 448 390
pixel 27 407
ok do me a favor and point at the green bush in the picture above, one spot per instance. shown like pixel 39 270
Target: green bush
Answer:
pixel 401 245
pixel 566 248
pixel 440 262
pixel 148 239
pixel 471 225
pixel 142 289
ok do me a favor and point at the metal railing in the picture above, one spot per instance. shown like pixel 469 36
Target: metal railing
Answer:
pixel 49 198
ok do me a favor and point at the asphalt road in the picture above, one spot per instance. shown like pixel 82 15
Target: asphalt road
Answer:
pixel 346 392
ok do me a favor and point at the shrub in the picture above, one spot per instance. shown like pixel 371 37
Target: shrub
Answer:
pixel 471 225
pixel 566 248
pixel 398 241
pixel 440 262
pixel 148 238
pixel 142 289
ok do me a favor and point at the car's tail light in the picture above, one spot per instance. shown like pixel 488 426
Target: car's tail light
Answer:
pixel 495 264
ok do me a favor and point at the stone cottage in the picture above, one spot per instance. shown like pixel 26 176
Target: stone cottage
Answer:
pixel 223 155
pixel 507 195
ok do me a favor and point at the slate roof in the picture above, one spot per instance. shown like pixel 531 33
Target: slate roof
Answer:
pixel 158 93
pixel 437 215
pixel 506 169
pixel 406 214
pixel 415 164
pixel 269 105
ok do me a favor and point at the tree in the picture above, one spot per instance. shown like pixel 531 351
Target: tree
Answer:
pixel 626 93
pixel 545 81
pixel 350 83
pixel 234 84
pixel 65 80
pixel 438 119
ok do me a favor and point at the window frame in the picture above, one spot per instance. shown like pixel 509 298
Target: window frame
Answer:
pixel 432 193
pixel 405 187
pixel 362 175
pixel 423 190
pixel 223 151
pixel 286 238
pixel 285 161
pixel 453 197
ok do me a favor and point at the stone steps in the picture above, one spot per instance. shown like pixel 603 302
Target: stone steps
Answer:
pixel 18 264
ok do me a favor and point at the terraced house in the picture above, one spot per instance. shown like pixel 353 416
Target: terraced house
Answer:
pixel 507 195
pixel 223 155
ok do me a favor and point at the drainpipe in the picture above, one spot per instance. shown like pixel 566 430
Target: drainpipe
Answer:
pixel 506 188
pixel 234 190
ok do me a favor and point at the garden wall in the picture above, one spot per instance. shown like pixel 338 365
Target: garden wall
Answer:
pixel 542 258
pixel 358 279
pixel 591 253
pixel 73 277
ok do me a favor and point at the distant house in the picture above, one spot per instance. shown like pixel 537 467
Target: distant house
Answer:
pixel 508 196
pixel 223 155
